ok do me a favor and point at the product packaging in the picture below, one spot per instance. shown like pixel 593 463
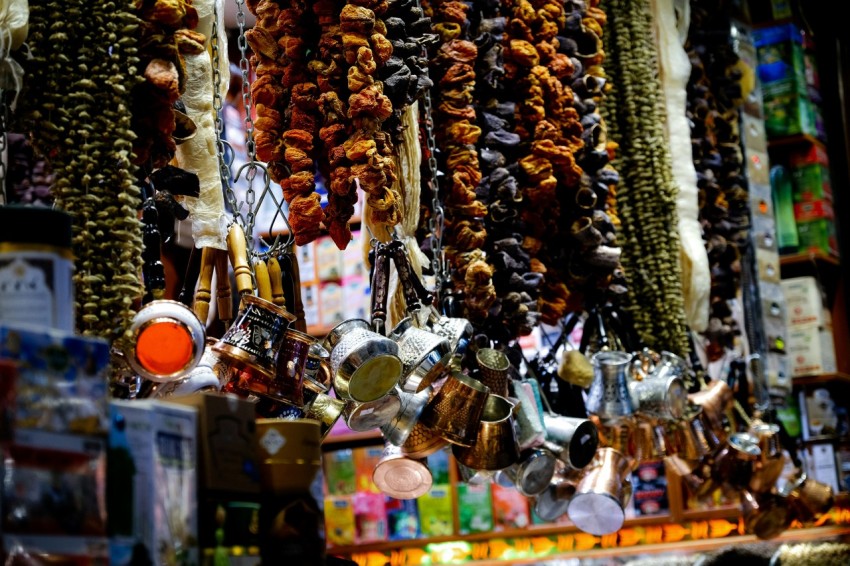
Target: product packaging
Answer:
pixel 338 467
pixel 475 508
pixel 436 511
pixel 339 520
pixel 402 518
pixel 370 517
pixel 510 508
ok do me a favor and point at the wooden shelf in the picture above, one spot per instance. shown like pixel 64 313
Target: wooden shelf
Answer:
pixel 340 440
pixel 821 379
pixel 725 512
pixel 795 141
pixel 808 258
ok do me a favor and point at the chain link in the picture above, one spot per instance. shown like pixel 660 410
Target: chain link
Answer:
pixel 436 223
pixel 3 147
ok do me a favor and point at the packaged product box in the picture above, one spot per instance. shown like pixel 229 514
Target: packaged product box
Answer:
pixel 310 301
pixel 402 518
pixel 804 302
pixel 331 300
pixel 768 262
pixel 843 458
pixel 365 460
pixel 780 54
pixel 649 488
pixel 352 257
pixel 339 520
pixel 821 464
pixel 306 256
pixel 510 508
pixel 62 379
pixel 436 511
pixel 474 508
pixel 820 415
pixel 355 297
pixel 810 174
pixel 818 236
pixel 787 111
pixel 152 482
pixel 329 265
pixel 370 517
pixel 338 468
pixel 228 460
pixel 439 463
pixel 811 350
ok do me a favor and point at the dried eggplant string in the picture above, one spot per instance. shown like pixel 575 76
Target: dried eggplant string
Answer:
pixel 78 112
pixel 646 197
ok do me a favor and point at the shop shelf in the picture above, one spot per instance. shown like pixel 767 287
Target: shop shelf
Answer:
pixel 332 442
pixel 808 258
pixel 821 379
pixel 792 142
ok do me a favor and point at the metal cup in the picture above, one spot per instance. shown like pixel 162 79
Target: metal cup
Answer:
pixel 370 415
pixel 493 366
pixel 765 515
pixel 323 408
pixel 533 473
pixel 495 445
pixel 661 395
pixel 425 355
pixel 399 428
pixel 291 366
pixel 364 364
pixel 609 396
pixel 693 440
pixel 422 442
pixel 455 411
pixel 399 476
pixel 768 468
pixel 716 400
pixel 807 497
pixel 650 441
pixel 457 331
pixel 598 506
pixel 573 440
pixel 734 463
pixel 168 341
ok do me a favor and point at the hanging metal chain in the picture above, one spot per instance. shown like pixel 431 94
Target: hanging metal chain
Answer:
pixel 223 148
pixel 4 144
pixel 436 223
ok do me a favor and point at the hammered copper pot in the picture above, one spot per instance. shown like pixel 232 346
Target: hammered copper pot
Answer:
pixel 716 400
pixel 495 446
pixel 598 505
pixel 399 476
pixel 765 515
pixel 807 497
pixel 455 410
pixel 735 463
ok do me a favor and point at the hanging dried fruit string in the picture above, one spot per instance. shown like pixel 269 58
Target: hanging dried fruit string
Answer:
pixel 714 99
pixel 646 196
pixel 456 135
pixel 76 106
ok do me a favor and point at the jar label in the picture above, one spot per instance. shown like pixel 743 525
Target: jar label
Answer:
pixel 36 290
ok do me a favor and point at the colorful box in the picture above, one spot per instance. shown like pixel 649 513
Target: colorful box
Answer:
pixel 329 265
pixel 62 379
pixel 439 463
pixel 306 256
pixel 810 175
pixel 338 468
pixel 152 482
pixel 649 489
pixel 804 302
pixel 818 236
pixel 510 508
pixel 331 300
pixel 310 302
pixel 370 517
pixel 780 54
pixel 339 520
pixel 365 460
pixel 436 511
pixel 402 518
pixel 475 508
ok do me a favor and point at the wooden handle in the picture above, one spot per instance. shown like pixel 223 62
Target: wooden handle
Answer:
pixel 203 295
pixel 237 247
pixel 276 278
pixel 223 295
pixel 297 301
pixel 264 284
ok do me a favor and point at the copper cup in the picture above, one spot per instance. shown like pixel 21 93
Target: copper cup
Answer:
pixel 422 442
pixel 807 497
pixel 554 501
pixel 716 400
pixel 399 476
pixel 493 366
pixel 770 464
pixel 455 411
pixel 696 475
pixel 495 446
pixel 533 473
pixel 254 339
pixel 691 438
pixel 765 515
pixel 361 417
pixel 735 463
pixel 650 441
pixel 288 385
pixel 573 440
pixel 598 506
pixel 399 428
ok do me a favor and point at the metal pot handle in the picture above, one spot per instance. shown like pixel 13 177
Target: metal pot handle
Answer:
pixel 415 293
pixel 380 289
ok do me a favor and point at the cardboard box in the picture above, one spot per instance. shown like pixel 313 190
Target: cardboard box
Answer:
pixel 370 517
pixel 310 301
pixel 811 350
pixel 821 464
pixel 649 484
pixel 475 508
pixel 510 508
pixel 780 54
pixel 339 520
pixel 787 110
pixel 331 300
pixel 152 482
pixel 436 511
pixel 226 426
pixel 365 460
pixel 329 265
pixel 338 469
pixel 306 256
pixel 804 302
pixel 818 236
pixel 355 297
pixel 402 518
pixel 62 379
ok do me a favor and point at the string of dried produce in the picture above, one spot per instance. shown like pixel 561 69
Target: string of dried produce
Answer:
pixel 286 99
pixel 646 196
pixel 713 102
pixel 456 134
pixel 76 107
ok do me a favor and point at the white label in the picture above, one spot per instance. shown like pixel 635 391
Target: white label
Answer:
pixel 272 441
pixel 24 295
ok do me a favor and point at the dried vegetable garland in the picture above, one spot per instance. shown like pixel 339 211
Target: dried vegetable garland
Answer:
pixel 76 105
pixel 457 134
pixel 646 195
pixel 714 98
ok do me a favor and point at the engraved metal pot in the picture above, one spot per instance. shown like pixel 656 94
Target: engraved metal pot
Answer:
pixel 495 446
pixel 455 410
pixel 493 366
pixel 370 415
pixel 317 369
pixel 807 497
pixel 735 463
pixel 399 428
pixel 533 473
pixel 365 365
pixel 609 396
pixel 457 331
pixel 662 393
pixel 424 355
pixel 573 440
